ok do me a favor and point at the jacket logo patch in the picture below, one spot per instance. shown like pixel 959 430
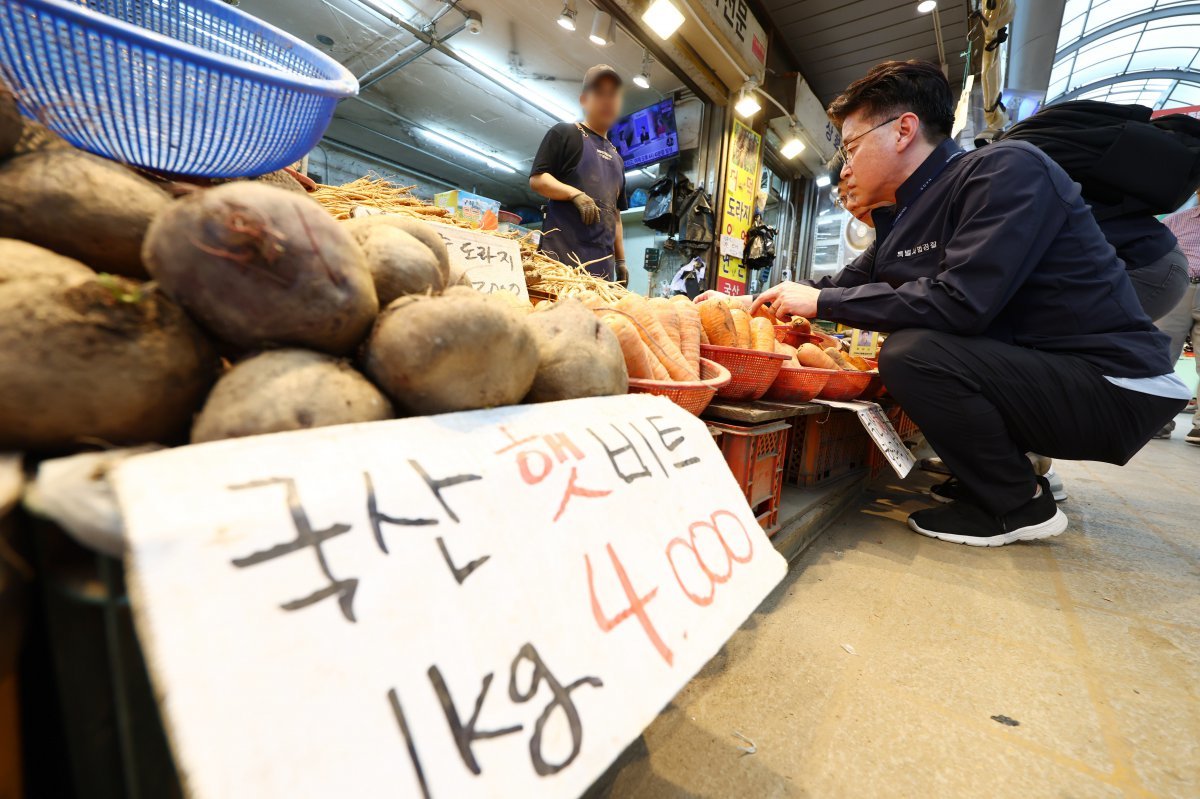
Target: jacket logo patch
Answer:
pixel 920 248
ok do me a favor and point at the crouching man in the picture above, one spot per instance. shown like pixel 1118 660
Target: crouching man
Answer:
pixel 1014 326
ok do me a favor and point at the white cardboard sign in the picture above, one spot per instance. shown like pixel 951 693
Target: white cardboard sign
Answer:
pixel 881 430
pixel 492 263
pixel 492 603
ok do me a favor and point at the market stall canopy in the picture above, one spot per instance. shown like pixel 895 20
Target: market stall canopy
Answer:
pixel 835 42
pixel 471 112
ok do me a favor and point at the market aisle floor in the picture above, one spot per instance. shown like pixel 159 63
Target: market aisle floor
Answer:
pixel 888 664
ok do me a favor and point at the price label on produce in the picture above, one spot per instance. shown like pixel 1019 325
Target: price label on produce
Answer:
pixel 492 263
pixel 492 603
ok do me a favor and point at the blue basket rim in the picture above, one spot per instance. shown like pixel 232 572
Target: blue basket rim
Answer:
pixel 346 85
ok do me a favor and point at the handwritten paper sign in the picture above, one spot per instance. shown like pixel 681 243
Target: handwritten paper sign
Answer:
pixel 492 263
pixel 492 603
pixel 879 427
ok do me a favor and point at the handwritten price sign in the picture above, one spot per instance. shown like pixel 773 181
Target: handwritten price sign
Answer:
pixel 491 603
pixel 491 263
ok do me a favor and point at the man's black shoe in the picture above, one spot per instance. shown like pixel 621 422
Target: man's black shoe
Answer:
pixel 963 522
pixel 949 491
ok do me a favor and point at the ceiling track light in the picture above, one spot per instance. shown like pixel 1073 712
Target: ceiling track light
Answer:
pixel 925 6
pixel 642 79
pixel 566 20
pixel 793 146
pixel 663 17
pixel 471 152
pixel 604 29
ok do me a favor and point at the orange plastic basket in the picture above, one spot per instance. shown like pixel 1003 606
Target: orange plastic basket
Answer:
pixel 752 371
pixel 786 334
pixel 875 388
pixel 798 384
pixel 691 395
pixel 845 385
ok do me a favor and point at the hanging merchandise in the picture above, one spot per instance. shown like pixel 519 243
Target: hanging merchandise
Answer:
pixel 689 279
pixel 696 221
pixel 760 245
pixel 660 206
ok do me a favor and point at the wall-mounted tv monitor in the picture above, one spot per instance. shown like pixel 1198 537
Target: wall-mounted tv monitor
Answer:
pixel 647 136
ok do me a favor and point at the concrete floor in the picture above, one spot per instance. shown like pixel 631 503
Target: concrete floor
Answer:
pixel 888 664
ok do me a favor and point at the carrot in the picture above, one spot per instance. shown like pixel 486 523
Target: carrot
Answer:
pixel 656 339
pixel 590 298
pixel 741 326
pixel 704 335
pixel 785 349
pixel 858 363
pixel 638 360
pixel 762 334
pixel 718 323
pixel 764 312
pixel 668 317
pixel 690 330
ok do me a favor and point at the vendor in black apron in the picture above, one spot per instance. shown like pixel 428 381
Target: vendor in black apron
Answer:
pixel 582 175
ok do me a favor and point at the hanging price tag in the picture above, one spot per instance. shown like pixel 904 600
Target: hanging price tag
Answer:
pixel 881 430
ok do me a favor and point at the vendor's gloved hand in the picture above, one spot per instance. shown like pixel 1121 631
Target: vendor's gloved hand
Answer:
pixel 622 273
pixel 589 212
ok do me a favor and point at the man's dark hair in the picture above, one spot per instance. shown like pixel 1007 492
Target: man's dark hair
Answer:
pixel 895 87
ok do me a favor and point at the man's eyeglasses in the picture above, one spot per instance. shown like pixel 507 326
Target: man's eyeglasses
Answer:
pixel 845 154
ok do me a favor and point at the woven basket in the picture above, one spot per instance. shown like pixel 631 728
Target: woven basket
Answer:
pixel 752 371
pixel 845 385
pixel 798 384
pixel 693 395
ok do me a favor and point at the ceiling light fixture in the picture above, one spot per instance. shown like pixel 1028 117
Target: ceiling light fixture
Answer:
pixel 642 80
pixel 823 181
pixel 663 17
pixel 527 93
pixel 471 152
pixel 925 6
pixel 747 104
pixel 793 146
pixel 604 29
pixel 566 20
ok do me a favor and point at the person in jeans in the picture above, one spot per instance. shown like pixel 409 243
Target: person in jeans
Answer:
pixel 1013 325
pixel 1184 320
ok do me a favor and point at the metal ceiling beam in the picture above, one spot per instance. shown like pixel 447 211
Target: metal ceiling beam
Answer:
pixel 1122 24
pixel 403 59
pixel 1182 75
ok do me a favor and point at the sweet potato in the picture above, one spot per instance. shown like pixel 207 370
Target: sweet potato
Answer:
pixel 718 322
pixel 812 355
pixel 260 266
pixel 287 390
pixel 578 355
pixel 454 352
pixel 12 124
pixel 90 358
pixel 400 264
pixel 81 206
pixel 837 357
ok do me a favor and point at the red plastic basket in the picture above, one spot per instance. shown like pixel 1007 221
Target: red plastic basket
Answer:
pixel 798 383
pixel 845 385
pixel 752 371
pixel 786 334
pixel 875 388
pixel 691 395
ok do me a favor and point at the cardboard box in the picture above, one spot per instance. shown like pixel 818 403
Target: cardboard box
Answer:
pixel 480 211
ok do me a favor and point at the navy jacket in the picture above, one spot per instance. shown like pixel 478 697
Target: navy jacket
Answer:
pixel 997 242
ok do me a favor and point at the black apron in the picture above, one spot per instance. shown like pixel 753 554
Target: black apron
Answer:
pixel 600 174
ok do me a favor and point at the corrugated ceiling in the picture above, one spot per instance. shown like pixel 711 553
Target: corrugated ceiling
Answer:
pixel 835 42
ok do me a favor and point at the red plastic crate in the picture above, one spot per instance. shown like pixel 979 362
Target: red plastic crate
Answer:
pixel 756 457
pixel 826 446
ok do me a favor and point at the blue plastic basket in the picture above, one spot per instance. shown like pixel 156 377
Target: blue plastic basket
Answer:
pixel 190 87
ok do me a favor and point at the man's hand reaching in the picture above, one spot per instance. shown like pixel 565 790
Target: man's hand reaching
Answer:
pixel 789 299
pixel 589 212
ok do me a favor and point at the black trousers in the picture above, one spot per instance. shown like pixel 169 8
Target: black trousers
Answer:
pixel 983 404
